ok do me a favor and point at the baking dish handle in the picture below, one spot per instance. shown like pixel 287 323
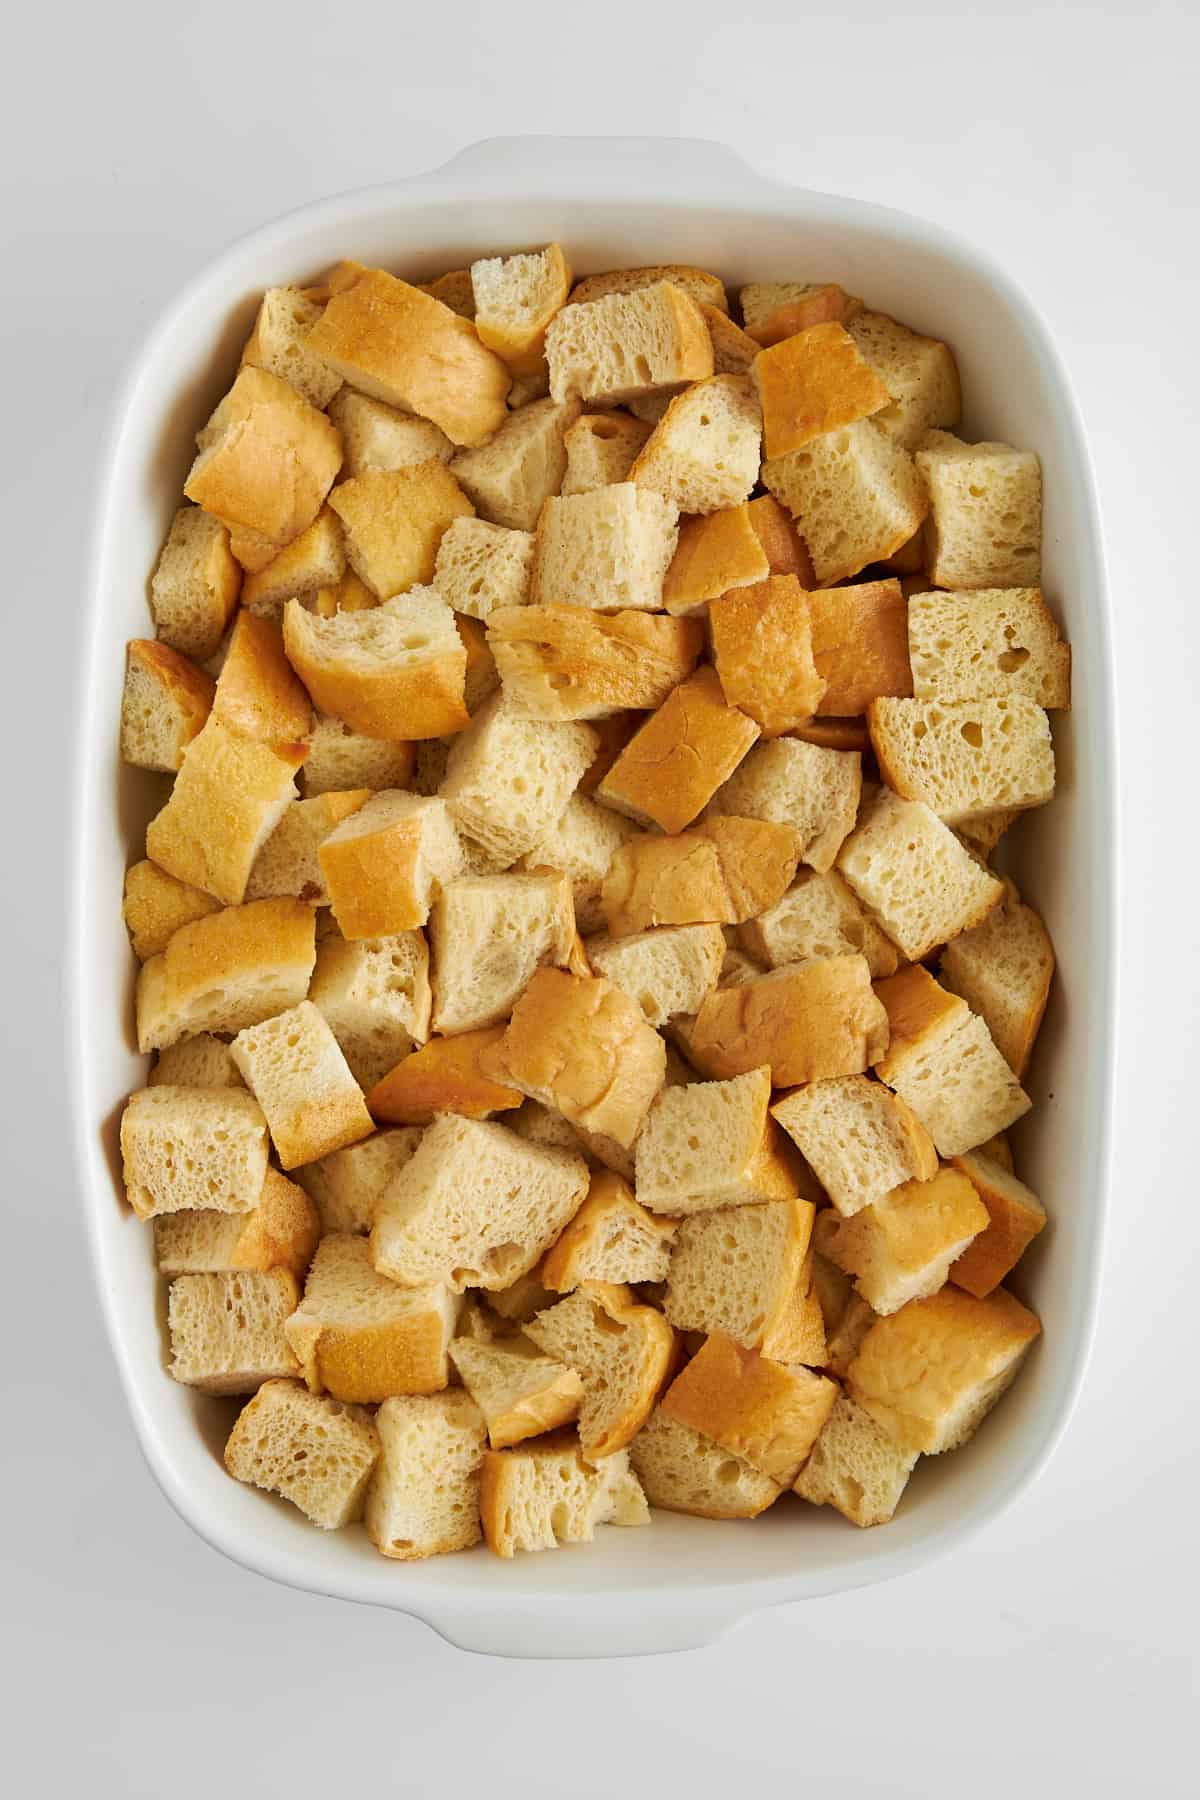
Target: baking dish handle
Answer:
pixel 589 1632
pixel 572 165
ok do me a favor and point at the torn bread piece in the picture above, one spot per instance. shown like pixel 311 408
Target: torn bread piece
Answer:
pixel 918 372
pixel 341 758
pixel 284 318
pixel 288 861
pixel 900 1247
pixel 581 844
pixel 515 299
pixel 395 671
pixel 267 459
pixel 232 968
pixel 394 520
pixel 705 289
pixel 811 383
pixel 375 436
pixel 860 644
pixel 666 971
pixel 716 552
pixel 520 1393
pixel 774 310
pixel 385 862
pixel 511 476
pixel 965 759
pixel 738 1270
pixel 566 662
pixel 818 916
pixel 508 780
pixel 988 642
pixel 314 560
pixel 808 1021
pixel 855 1467
pixel 347 1186
pixel 787 782
pixel 722 871
pixel 1015 1217
pixel 481 567
pixel 763 651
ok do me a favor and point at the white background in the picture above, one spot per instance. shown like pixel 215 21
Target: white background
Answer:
pixel 1059 1650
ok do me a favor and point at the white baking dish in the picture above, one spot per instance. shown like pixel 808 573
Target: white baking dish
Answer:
pixel 615 202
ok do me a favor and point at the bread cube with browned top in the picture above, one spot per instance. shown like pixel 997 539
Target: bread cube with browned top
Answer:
pixel 860 1140
pixel 716 552
pixel 855 494
pixel 280 1233
pixel 566 662
pixel 900 1246
pixel 621 1350
pixel 672 767
pixel 775 310
pixel 722 871
pixel 612 1238
pixel 361 1337
pixel 811 383
pixel 294 1067
pixel 195 585
pixel 313 561
pixel 1003 968
pixel 520 1393
pixel 763 651
pixel 384 863
pixel 808 1021
pixel 515 299
pixel 226 970
pixel 444 1075
pixel 267 459
pixel 859 644
pixel 767 1413
pixel 1015 1217
pixel 165 703
pixel 788 782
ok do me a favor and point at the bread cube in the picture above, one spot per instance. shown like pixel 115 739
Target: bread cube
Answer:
pixel 818 916
pixel 1015 1216
pixel 444 1075
pixel 227 1332
pixel 811 383
pixel 714 554
pixel 932 1372
pixel 195 585
pixel 965 759
pixel 508 781
pixel 155 905
pixel 763 651
pixel 312 1451
pixel 704 289
pixel 475 1206
pixel 375 436
pixel 512 476
pixel 276 344
pixel 788 782
pixel 200 1061
pixel 480 567
pixel 520 1394
pixel 488 934
pixel 187 1147
pixel 704 452
pixel 860 1140
pixel 383 864
pixel 775 310
pixel 258 693
pixel 987 642
pixel 620 1349
pixel 733 349
pixel 288 862
pixel 564 662
pixel 737 1270
pixel 671 768
pixel 601 449
pixel 612 1238
pixel 766 1413
pixel 1003 969
pixel 375 996
pixel 394 521
pixel 281 1233
pixel 360 1337
pixel 914 877
pixel 860 644
pixel 622 345
pixel 225 971
pixel 667 971
pixel 856 1467
pixel 541 1495
pixel 782 545
pixel 581 844
pixel 808 1021
pixel 713 1144
pixel 985 520
pixel 293 1066
pixel 316 559
pixel 342 758
pixel 515 299
pixel 722 871
pixel 608 550
pixel 347 1186
pixel 165 703
pixel 901 1246
pixel 424 1495
pixel 918 373
pixel 855 495
pixel 682 1471
pixel 267 459
pixel 402 346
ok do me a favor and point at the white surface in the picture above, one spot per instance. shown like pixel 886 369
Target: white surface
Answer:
pixel 681 1584
pixel 1056 1650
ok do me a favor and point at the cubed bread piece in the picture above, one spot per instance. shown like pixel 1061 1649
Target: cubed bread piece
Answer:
pixel 722 871
pixel 230 969
pixel 195 585
pixel 612 1238
pixel 901 1246
pixel 622 345
pixel 312 1451
pixel 315 559
pixel 860 644
pixel 1015 1216
pixel 520 1394
pixel 443 1076
pixel 774 310
pixel 941 1060
pixel 733 349
pixel 782 545
pixel 987 642
pixel 347 1186
pixel 601 449
pixel 855 495
pixel 475 1206
pixel 704 452
pixel 788 782
pixel 705 289
pixel 510 478
pixel 716 552
pixel 667 971
pixel 515 299
pixel 201 1061
pixel 545 1494
pixel 404 347
pixel 737 1270
pixel 228 797
pixel 859 1139
pixel 913 876
pixel 581 844
pixel 481 567
pixel 284 319
pixel 375 436
pixel 384 863
pixel 488 934
pixel 609 549
pixel 185 1147
pixel 965 758
pixel 985 520
pixel 808 1021
pixel 763 651
pixel 564 662
pixel 156 905
pixel 918 372
pixel 258 693
pixel 287 862
pixel 847 1335
pixel 376 999
pixel 361 1337
pixel 455 290
pixel 712 1144
pixel 818 916
pixel 672 767
pixel 294 1067
pixel 682 1471
pixel 281 1233
pixel 267 458
pixel 856 1467
pixel 621 1350
pixel 509 779
pixel 394 521
pixel 227 1332
pixel 931 1373
pixel 1003 969
pixel 768 1414
pixel 165 702
pixel 811 383
pixel 424 1495
pixel 341 758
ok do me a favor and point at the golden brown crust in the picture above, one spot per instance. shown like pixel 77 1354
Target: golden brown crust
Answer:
pixel 156 905
pixel 258 693
pixel 1015 1217
pixel 399 702
pixel 860 644
pixel 269 459
pixel 797 1333
pixel 765 1412
pixel 282 1232
pixel 573 663
pixel 187 691
pixel 723 871
pixel 455 290
pixel 835 734
pixel 394 520
pixel 444 1075
pixel 733 349
pixel 217 952
pixel 809 1021
pixel 673 766
pixel 919 1011
pixel 704 289
pixel 762 648
pixel 609 1206
pixel 783 547
pixel 523 346
pixel 823 304
pixel 811 383
pixel 716 551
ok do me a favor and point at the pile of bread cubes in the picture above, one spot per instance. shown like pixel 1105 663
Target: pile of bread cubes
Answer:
pixel 585 1014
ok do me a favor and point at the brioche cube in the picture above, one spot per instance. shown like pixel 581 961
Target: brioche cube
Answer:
pixel 781 543
pixel 807 1022
pixel 424 1494
pixel 581 844
pixel 193 1147
pixel 918 373
pixel 444 1075
pixel 480 567
pixel 375 996
pixel 155 905
pixel 763 651
pixel 258 693
pixel 475 1206
pixel 987 642
pixel 267 459
pixel 811 383
pixel 347 1186
pixel 612 1238
pixel 312 1451
pixel 901 1246
pixel 715 553
pixel 713 1144
pixel 226 1330
pixel 609 549
pixel 722 871
pixel 942 1062
pixel 1015 1217
pixel 931 1373
pixel 818 916
pixel 512 475
pixel 704 289
pixel 767 1413
pixel 195 585
pixel 488 934
pixel 341 758
pixel 360 1337
pixel 293 1066
pixel 201 1061
pixel 281 1233
pixel 622 345
pixel 733 349
pixel 515 299
pixel 667 971
pixel 578 1043
pixel 704 452
pixel 284 319
pixel 230 969
pixel 622 1352
pixel 860 644
pixel 601 449
pixel 404 347
pixel 985 520
pixel 813 790
pixel 545 1494
pixel 856 1467
pixel 855 495
pixel 774 310
pixel 912 875
pixel 165 703
pixel 845 1338
pixel 375 436
pixel 520 1394
pixel 1003 969
pixel 966 758
pixel 671 768
pixel 860 1140
pixel 737 1270
pixel 682 1471
pixel 288 861
pixel 564 662
pixel 508 780
pixel 383 864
